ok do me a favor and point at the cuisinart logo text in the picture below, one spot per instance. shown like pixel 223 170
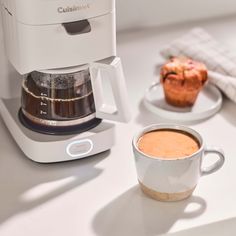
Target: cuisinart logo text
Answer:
pixel 73 8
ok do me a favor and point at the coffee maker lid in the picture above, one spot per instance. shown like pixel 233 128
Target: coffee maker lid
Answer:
pixel 66 70
pixel 42 12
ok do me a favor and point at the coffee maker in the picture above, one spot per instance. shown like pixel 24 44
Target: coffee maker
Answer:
pixel 64 53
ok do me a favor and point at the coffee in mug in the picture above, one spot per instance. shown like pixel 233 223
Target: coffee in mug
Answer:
pixel 168 160
pixel 168 144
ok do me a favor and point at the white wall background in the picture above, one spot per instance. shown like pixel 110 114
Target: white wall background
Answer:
pixel 139 13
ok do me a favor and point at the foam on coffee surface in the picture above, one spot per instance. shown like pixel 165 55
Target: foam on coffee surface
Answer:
pixel 168 144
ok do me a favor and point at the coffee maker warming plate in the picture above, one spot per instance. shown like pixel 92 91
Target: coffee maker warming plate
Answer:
pixel 44 148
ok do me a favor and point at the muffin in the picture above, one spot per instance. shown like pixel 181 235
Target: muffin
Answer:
pixel 182 79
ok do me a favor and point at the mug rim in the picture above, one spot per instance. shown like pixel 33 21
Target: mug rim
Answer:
pixel 170 126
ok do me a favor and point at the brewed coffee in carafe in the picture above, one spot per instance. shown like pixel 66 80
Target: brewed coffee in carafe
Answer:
pixel 58 101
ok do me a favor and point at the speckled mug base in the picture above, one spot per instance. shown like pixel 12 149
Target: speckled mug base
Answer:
pixel 166 197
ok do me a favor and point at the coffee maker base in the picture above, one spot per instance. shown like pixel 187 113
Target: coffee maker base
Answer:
pixel 44 148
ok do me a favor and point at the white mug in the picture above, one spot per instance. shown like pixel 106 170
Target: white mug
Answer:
pixel 175 179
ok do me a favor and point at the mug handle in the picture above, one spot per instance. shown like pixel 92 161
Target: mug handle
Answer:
pixel 217 165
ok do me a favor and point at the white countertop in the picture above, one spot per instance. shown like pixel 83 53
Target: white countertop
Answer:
pixel 100 195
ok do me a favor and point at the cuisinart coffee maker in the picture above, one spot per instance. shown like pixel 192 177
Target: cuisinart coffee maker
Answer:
pixel 64 52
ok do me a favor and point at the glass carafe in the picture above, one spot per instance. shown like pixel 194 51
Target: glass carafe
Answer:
pixel 71 100
pixel 58 99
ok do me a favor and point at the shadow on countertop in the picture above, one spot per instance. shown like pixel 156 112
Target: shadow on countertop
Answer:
pixel 19 177
pixel 228 111
pixel 133 213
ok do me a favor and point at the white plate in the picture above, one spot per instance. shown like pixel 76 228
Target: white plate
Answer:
pixel 208 103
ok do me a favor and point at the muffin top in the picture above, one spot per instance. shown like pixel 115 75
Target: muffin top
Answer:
pixel 184 72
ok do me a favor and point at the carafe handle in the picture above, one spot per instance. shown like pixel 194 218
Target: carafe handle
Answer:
pixel 114 72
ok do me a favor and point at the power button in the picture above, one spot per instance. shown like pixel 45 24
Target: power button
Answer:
pixel 79 148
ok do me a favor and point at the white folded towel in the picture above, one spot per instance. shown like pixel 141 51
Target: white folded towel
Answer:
pixel 220 61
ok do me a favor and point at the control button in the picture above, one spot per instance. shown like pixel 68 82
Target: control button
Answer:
pixel 79 148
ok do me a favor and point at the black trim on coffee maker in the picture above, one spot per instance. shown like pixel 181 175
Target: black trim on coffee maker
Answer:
pixel 63 130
